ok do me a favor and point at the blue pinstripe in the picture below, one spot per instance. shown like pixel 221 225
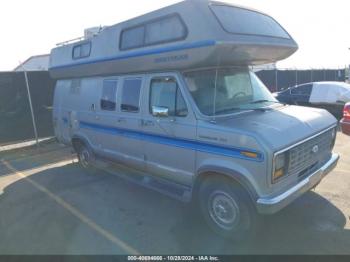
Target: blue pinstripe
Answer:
pixel 177 142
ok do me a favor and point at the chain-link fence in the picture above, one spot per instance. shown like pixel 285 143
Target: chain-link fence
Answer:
pixel 279 79
pixel 15 115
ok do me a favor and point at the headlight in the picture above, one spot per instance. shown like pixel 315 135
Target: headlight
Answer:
pixel 280 164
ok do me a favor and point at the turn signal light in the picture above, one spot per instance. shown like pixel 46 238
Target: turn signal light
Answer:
pixel 249 154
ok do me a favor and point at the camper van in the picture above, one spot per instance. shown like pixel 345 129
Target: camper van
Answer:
pixel 171 97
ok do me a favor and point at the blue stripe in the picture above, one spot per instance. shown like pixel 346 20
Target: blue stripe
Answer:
pixel 161 50
pixel 177 142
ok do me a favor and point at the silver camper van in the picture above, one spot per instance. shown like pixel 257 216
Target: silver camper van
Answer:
pixel 170 96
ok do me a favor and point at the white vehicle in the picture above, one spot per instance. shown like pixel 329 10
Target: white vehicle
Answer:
pixel 331 96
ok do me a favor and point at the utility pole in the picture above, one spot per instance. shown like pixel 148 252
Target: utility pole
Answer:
pixel 30 105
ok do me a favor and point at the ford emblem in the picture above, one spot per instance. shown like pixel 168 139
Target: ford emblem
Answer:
pixel 315 149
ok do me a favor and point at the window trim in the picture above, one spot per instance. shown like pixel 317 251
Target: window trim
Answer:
pixel 140 95
pixel 144 25
pixel 80 45
pixel 246 34
pixel 176 93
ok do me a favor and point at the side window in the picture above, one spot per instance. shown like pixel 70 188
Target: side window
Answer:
pixel 81 50
pixel 294 91
pixel 165 92
pixel 109 91
pixel 302 90
pixel 132 38
pixel 305 90
pixel 131 95
pixel 75 86
pixel 166 29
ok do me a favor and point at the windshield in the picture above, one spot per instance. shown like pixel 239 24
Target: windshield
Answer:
pixel 224 91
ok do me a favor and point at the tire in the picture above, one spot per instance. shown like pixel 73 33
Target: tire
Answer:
pixel 227 208
pixel 86 157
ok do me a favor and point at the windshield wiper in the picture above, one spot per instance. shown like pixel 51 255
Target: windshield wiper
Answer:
pixel 264 101
pixel 248 109
pixel 228 110
pixel 237 109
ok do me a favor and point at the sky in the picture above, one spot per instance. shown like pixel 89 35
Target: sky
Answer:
pixel 321 28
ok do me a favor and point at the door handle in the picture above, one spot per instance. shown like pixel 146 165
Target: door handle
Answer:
pixel 147 123
pixel 121 120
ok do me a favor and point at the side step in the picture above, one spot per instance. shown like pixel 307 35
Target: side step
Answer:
pixel 163 186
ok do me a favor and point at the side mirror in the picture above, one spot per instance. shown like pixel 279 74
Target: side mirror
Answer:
pixel 160 111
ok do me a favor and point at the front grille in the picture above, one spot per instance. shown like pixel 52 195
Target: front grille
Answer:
pixel 302 157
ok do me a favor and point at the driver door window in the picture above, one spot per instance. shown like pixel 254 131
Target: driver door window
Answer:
pixel 165 93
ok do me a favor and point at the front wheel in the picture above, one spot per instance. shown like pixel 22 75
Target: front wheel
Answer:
pixel 227 208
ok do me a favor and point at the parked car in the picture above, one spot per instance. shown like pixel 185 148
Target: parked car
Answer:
pixel 345 122
pixel 183 125
pixel 331 96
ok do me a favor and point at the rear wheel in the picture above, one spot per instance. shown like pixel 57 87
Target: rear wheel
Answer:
pixel 227 208
pixel 86 157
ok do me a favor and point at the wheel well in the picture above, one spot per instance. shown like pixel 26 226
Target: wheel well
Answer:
pixel 203 176
pixel 77 143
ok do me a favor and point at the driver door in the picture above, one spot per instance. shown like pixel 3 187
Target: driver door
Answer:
pixel 170 129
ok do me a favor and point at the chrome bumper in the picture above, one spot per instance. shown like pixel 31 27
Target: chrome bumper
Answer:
pixel 276 203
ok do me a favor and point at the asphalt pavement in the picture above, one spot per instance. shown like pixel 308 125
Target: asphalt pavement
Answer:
pixel 50 206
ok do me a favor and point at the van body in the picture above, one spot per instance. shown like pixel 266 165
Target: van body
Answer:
pixel 171 95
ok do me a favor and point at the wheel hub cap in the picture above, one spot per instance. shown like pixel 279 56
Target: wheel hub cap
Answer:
pixel 223 210
pixel 84 158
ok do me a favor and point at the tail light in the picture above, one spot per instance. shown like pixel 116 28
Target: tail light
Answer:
pixel 347 112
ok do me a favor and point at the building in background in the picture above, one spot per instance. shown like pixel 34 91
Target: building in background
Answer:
pixel 35 63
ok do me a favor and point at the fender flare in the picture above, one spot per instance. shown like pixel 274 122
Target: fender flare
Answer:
pixel 229 173
pixel 82 139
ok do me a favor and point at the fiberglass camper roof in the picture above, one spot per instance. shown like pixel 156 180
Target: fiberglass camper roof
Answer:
pixel 190 34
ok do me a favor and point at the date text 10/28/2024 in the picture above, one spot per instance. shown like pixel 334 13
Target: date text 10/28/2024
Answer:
pixel 173 258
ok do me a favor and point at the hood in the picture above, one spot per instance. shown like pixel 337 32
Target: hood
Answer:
pixel 282 126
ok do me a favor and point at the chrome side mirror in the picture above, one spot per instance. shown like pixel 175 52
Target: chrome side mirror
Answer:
pixel 160 111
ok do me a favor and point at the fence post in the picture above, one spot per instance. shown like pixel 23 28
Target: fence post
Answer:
pixel 312 75
pixel 31 105
pixel 335 75
pixel 296 77
pixel 276 80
